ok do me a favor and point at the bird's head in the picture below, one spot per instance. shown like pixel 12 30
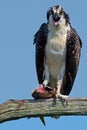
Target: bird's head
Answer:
pixel 57 16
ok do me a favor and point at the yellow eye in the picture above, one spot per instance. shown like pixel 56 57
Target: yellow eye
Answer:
pixel 61 13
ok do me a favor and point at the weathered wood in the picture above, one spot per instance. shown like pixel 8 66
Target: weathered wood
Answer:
pixel 15 109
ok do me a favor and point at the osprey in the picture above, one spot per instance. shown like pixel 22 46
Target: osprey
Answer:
pixel 58 48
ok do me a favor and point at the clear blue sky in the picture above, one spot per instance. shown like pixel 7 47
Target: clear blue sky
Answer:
pixel 19 20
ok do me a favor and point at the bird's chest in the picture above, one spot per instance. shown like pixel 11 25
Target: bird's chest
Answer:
pixel 56 48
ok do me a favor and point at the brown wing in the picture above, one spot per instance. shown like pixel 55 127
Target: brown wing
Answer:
pixel 40 39
pixel 74 45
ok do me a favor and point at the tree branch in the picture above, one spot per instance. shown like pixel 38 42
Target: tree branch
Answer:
pixel 15 109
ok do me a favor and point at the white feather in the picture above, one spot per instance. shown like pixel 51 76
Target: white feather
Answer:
pixel 56 52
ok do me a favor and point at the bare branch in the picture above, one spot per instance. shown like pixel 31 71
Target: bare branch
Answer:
pixel 15 109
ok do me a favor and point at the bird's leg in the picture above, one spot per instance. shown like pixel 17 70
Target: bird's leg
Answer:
pixel 58 94
pixel 47 76
pixel 59 84
pixel 45 82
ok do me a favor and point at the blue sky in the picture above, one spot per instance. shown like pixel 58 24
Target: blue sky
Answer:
pixel 19 20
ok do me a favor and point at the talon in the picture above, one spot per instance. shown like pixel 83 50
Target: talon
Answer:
pixel 44 86
pixel 59 95
pixel 63 98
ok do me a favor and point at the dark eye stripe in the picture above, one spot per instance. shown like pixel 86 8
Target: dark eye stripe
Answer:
pixel 51 11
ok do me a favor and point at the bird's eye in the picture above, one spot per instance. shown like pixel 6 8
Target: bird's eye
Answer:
pixel 61 13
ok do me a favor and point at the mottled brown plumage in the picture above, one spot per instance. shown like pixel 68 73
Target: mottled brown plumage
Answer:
pixel 58 50
pixel 74 45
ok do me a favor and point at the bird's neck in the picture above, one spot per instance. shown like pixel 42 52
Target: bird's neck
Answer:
pixel 63 29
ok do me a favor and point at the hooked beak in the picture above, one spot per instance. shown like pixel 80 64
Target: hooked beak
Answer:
pixel 56 19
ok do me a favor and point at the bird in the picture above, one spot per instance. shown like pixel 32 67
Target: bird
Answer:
pixel 57 52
